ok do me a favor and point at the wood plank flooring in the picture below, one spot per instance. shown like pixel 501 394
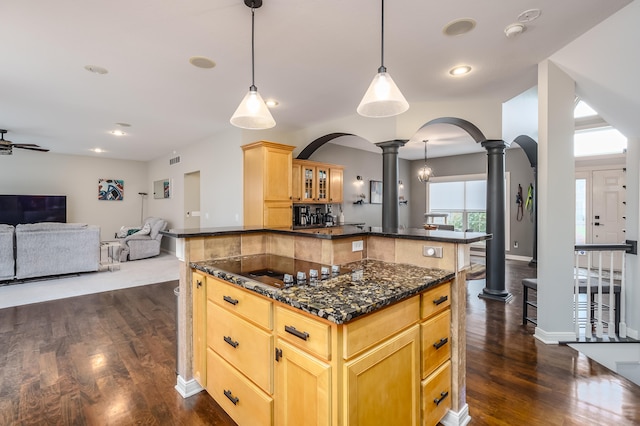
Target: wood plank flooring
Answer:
pixel 109 359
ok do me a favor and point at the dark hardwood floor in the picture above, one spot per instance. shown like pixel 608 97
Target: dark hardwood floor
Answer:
pixel 109 359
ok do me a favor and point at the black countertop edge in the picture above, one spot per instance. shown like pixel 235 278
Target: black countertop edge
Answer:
pixel 335 314
pixel 337 232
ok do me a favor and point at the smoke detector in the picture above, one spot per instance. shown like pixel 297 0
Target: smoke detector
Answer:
pixel 514 30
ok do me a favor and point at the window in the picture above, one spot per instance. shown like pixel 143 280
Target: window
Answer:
pixel 464 201
pixel 593 135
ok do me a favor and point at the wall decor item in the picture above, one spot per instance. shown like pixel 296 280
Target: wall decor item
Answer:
pixel 376 192
pixel 111 189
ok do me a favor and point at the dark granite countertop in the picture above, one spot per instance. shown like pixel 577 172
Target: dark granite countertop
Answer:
pixel 336 232
pixel 370 286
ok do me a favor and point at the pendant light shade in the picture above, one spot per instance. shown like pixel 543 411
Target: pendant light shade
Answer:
pixel 252 113
pixel 425 173
pixel 383 98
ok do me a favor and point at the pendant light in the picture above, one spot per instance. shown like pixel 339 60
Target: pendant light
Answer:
pixel 425 173
pixel 252 113
pixel 383 98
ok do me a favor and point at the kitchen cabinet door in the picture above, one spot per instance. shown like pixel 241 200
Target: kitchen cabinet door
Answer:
pixel 308 184
pixel 277 176
pixel 199 303
pixel 322 184
pixel 303 388
pixel 296 182
pixel 336 185
pixel 278 214
pixel 383 385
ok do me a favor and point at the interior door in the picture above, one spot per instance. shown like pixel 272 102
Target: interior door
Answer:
pixel 192 200
pixel 608 209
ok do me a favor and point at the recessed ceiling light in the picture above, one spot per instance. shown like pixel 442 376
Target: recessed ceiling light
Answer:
pixel 459 27
pixel 96 69
pixel 460 70
pixel 123 124
pixel 529 15
pixel 118 132
pixel 514 30
pixel 97 150
pixel 271 103
pixel 201 62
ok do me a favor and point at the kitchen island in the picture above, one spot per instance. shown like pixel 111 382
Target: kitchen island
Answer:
pixel 369 328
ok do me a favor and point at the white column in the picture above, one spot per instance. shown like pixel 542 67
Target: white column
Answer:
pixel 556 204
pixel 632 228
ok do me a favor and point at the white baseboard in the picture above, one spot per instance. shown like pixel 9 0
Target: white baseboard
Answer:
pixel 187 388
pixel 632 333
pixel 517 257
pixel 460 418
pixel 553 338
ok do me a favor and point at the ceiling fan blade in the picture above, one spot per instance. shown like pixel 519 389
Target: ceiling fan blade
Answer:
pixel 32 148
pixel 22 145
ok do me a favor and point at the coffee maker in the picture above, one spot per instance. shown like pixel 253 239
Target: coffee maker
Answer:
pixel 300 215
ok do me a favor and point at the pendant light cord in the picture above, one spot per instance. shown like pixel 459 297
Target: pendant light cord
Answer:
pixel 425 152
pixel 253 72
pixel 382 67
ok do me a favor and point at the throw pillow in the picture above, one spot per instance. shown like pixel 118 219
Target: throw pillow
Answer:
pixel 145 229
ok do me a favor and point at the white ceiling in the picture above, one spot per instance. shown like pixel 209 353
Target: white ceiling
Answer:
pixel 316 57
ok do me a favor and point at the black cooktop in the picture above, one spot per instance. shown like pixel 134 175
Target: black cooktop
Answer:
pixel 280 271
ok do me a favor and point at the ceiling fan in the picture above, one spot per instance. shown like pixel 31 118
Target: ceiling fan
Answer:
pixel 6 147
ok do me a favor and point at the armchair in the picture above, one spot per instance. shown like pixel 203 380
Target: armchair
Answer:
pixel 144 243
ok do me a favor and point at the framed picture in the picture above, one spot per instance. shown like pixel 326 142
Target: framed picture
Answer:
pixel 111 189
pixel 376 192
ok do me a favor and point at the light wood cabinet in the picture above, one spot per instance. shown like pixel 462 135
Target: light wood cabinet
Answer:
pixel 318 183
pixel 303 393
pixel 336 185
pixel 296 182
pixel 382 387
pixel 267 184
pixel 199 300
pixel 268 363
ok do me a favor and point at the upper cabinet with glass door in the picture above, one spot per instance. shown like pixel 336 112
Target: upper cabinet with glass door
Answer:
pixel 315 186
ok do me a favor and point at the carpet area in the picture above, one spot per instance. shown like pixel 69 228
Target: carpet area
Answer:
pixel 162 268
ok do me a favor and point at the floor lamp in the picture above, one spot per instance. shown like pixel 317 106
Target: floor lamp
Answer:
pixel 142 194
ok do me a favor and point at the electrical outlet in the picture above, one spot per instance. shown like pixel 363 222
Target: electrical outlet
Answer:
pixel 515 244
pixel 431 251
pixel 357 245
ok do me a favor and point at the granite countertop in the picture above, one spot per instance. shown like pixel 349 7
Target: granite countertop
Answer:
pixel 337 232
pixel 370 286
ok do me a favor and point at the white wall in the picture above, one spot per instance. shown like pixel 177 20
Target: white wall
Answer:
pixel 37 173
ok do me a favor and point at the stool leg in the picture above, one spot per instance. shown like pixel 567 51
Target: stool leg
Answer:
pixel 525 298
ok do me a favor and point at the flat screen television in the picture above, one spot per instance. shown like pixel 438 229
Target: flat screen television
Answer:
pixel 15 209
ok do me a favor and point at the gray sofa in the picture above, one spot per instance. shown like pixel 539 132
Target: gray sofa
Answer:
pixel 145 243
pixel 7 258
pixel 50 248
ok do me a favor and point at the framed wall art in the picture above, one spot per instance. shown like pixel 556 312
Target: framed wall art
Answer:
pixel 111 189
pixel 376 192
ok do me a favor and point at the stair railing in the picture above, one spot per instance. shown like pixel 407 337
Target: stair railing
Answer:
pixel 596 282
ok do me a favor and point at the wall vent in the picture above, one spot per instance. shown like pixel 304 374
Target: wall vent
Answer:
pixel 174 160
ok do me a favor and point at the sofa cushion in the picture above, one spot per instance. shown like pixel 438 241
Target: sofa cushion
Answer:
pixel 145 229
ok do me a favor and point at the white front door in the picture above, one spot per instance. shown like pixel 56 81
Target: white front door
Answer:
pixel 608 210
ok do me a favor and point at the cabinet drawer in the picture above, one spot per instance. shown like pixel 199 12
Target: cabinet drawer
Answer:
pixel 249 306
pixel 436 300
pixel 367 331
pixel 436 342
pixel 245 346
pixel 306 333
pixel 436 395
pixel 238 397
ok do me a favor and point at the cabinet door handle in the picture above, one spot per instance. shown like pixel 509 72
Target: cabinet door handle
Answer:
pixel 230 341
pixel 198 283
pixel 440 300
pixel 299 334
pixel 278 354
pixel 443 396
pixel 232 398
pixel 229 299
pixel 440 343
